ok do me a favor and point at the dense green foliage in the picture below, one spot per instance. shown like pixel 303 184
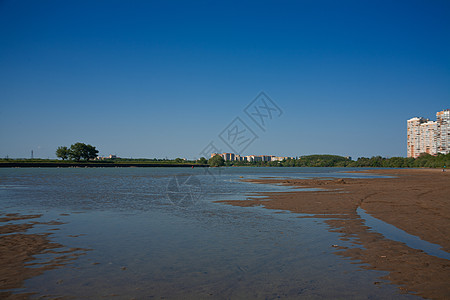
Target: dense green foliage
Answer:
pixel 77 151
pixel 216 161
pixel 202 161
pixel 62 152
pixel 425 160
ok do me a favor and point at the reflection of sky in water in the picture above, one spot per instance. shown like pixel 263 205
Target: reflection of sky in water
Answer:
pixel 393 233
pixel 143 245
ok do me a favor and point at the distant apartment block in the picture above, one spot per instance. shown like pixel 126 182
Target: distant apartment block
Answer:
pixel 250 158
pixel 443 131
pixel 425 136
pixel 111 156
pixel 228 156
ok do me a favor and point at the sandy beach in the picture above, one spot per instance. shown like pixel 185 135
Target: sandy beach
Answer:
pixel 415 200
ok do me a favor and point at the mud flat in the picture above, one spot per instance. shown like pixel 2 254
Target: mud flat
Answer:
pixel 416 201
pixel 19 248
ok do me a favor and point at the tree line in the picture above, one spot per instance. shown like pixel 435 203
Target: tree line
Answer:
pixel 424 160
pixel 80 151
pixel 77 152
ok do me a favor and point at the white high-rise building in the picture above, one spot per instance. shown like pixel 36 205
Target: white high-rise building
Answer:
pixel 413 136
pixel 427 140
pixel 425 136
pixel 443 131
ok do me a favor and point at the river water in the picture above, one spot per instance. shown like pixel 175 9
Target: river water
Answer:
pixel 158 233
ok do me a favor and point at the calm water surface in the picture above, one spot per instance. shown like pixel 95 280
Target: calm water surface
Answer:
pixel 157 232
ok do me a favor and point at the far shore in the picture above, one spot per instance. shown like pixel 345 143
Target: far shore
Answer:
pixel 414 200
pixel 70 164
pixel 44 163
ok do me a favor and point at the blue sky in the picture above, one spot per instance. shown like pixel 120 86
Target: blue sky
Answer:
pixel 164 78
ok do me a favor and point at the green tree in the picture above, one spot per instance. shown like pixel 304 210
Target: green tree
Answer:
pixel 179 160
pixel 216 161
pixel 81 150
pixel 76 151
pixel 90 152
pixel 202 161
pixel 62 152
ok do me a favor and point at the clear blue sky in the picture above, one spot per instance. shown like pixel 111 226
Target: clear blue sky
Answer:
pixel 164 78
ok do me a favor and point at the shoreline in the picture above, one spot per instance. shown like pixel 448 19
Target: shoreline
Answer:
pixel 414 200
pixel 94 165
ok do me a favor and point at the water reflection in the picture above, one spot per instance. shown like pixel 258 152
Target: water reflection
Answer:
pixel 393 233
pixel 145 246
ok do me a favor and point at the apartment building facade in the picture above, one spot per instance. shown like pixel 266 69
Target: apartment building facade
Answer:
pixel 443 131
pixel 428 137
pixel 250 158
pixel 425 136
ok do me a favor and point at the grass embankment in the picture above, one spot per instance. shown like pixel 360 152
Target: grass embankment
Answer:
pixel 48 163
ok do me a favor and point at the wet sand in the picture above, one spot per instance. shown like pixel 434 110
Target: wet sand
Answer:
pixel 415 200
pixel 18 249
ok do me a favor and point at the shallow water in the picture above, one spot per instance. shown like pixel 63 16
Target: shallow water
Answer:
pixel 157 232
pixel 393 233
